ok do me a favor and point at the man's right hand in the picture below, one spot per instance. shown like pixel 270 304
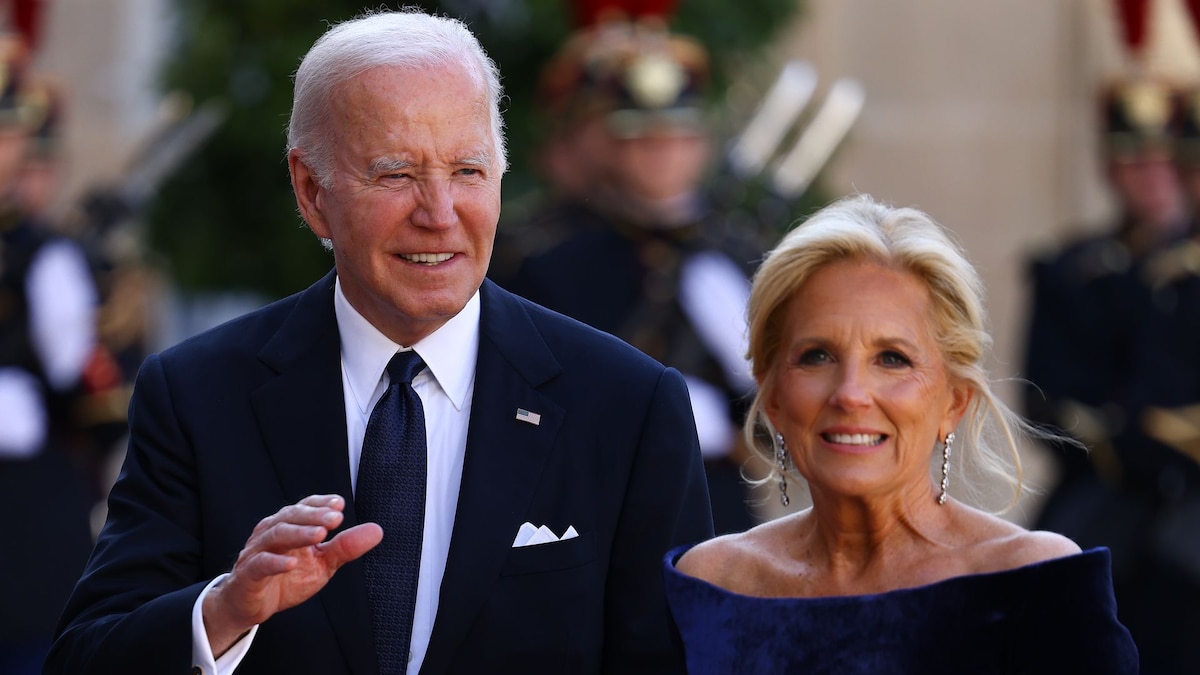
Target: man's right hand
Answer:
pixel 285 561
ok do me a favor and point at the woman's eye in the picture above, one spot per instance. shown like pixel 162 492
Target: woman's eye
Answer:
pixel 813 357
pixel 894 359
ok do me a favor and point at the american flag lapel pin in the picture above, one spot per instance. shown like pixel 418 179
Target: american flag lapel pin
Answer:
pixel 531 417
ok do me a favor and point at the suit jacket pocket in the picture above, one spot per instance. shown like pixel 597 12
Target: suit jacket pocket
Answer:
pixel 552 556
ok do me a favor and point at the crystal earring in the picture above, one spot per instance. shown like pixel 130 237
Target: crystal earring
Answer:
pixel 946 447
pixel 781 456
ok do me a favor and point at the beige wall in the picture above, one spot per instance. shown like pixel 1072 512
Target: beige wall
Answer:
pixel 975 113
pixel 106 52
pixel 980 113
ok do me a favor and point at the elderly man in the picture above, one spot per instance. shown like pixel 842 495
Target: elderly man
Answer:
pixel 500 482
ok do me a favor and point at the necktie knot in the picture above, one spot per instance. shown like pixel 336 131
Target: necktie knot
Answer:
pixel 404 366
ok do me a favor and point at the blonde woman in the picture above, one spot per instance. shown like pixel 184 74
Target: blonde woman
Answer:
pixel 867 338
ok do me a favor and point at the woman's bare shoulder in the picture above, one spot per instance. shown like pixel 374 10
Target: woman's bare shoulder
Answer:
pixel 729 558
pixel 1008 546
pixel 708 559
pixel 1029 547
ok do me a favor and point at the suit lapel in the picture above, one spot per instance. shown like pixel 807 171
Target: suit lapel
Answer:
pixel 504 459
pixel 301 413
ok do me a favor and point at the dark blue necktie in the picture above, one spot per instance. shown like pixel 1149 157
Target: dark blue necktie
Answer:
pixel 391 492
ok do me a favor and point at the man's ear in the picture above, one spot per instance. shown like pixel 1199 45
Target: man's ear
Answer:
pixel 308 193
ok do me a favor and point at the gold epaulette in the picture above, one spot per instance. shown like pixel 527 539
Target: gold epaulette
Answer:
pixel 1178 428
pixel 1095 428
pixel 1172 264
pixel 103 407
pixel 1101 258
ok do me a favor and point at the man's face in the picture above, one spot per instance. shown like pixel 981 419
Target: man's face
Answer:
pixel 659 166
pixel 1149 189
pixel 414 197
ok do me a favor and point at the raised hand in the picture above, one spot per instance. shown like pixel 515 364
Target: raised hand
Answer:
pixel 285 561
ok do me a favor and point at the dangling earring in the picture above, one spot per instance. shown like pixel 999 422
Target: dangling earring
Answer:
pixel 946 466
pixel 781 456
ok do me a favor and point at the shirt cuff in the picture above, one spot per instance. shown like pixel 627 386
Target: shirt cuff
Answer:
pixel 202 656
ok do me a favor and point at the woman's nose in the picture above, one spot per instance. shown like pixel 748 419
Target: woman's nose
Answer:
pixel 850 389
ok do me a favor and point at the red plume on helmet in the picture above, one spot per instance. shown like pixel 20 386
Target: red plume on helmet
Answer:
pixel 591 12
pixel 622 62
pixel 25 17
pixel 1193 10
pixel 1132 20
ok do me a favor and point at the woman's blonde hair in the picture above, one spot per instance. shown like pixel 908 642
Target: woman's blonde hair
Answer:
pixel 860 228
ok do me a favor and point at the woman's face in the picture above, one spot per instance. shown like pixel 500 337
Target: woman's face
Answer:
pixel 861 391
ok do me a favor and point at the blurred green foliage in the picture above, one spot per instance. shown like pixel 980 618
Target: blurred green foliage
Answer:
pixel 227 219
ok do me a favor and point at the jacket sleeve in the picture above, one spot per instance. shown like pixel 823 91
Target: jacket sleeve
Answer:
pixel 666 504
pixel 131 610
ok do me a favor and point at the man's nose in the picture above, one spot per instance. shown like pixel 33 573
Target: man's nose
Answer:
pixel 435 205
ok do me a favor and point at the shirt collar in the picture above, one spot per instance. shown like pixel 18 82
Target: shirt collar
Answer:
pixel 450 352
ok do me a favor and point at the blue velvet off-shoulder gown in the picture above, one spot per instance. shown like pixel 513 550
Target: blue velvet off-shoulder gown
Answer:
pixel 1057 616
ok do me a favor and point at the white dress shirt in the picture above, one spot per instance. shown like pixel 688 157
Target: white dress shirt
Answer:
pixel 445 387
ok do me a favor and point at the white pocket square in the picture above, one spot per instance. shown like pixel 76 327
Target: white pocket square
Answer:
pixel 532 535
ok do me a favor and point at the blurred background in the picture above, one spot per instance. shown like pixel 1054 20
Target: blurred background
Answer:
pixel 982 114
pixel 169 149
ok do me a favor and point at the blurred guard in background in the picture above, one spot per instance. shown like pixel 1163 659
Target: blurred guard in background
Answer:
pixel 1105 354
pixel 47 339
pixel 1169 424
pixel 98 406
pixel 625 245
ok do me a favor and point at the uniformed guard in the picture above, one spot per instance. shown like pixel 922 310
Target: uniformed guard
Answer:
pixel 47 336
pixel 626 244
pixel 1104 355
pixel 1167 425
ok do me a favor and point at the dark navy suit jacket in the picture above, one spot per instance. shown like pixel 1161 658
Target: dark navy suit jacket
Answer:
pixel 231 425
